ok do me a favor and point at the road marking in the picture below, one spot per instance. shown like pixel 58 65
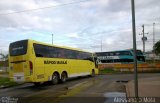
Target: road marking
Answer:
pixel 112 96
pixel 76 85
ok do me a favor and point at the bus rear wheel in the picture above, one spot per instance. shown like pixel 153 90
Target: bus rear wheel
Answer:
pixel 55 78
pixel 37 83
pixel 63 77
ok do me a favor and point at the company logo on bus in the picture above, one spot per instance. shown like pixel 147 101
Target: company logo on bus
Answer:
pixel 55 62
pixel 18 48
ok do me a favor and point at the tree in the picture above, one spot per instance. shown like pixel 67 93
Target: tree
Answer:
pixel 156 48
pixel 4 56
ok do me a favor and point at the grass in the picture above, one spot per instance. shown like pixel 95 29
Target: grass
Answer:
pixel 150 71
pixel 4 72
pixel 151 61
pixel 112 71
pixel 5 82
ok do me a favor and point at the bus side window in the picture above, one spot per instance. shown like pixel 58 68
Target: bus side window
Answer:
pixel 52 53
pixel 37 49
pixel 62 54
pixel 39 55
pixel 130 53
pixel 78 55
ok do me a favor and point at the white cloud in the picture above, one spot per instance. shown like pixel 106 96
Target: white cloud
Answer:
pixel 73 35
pixel 81 25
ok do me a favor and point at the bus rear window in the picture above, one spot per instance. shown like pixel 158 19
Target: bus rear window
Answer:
pixel 18 48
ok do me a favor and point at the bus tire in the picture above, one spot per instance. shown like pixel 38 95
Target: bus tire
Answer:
pixel 63 77
pixel 37 83
pixel 55 78
pixel 93 73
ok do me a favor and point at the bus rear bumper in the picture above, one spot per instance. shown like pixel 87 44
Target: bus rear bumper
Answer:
pixel 20 79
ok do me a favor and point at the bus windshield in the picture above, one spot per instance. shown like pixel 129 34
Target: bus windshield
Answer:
pixel 18 48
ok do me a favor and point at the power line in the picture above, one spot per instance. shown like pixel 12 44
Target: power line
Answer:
pixel 148 40
pixel 30 10
pixel 152 24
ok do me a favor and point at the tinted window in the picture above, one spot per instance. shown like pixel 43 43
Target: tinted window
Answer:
pixel 125 53
pixel 55 52
pixel 84 55
pixel 139 52
pixel 117 61
pixel 117 53
pixel 71 54
pixel 141 58
pixel 107 61
pixel 110 54
pixel 101 54
pixel 41 50
pixel 18 48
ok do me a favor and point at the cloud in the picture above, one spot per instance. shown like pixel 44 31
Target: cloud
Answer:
pixel 82 25
pixel 73 36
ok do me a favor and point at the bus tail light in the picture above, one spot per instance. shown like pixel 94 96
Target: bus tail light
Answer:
pixel 31 67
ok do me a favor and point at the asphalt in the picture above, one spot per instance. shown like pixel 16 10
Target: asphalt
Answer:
pixel 148 89
pixel 97 89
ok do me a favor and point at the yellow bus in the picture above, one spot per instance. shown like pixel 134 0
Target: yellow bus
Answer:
pixel 36 62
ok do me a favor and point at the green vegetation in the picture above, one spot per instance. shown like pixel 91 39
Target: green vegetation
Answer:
pixel 5 82
pixel 112 71
pixel 4 58
pixel 156 48
pixel 107 70
pixel 150 71
pixel 3 72
pixel 151 61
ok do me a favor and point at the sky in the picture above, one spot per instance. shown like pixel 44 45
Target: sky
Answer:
pixel 92 25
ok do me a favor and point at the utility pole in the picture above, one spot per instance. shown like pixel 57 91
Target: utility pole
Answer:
pixel 135 49
pixel 153 42
pixel 153 34
pixel 144 38
pixel 52 39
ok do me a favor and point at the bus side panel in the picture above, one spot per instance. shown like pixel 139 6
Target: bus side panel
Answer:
pixel 39 70
pixel 84 67
pixel 79 68
pixel 56 65
pixel 73 67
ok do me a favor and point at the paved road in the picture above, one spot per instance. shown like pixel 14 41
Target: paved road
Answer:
pixel 84 89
